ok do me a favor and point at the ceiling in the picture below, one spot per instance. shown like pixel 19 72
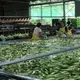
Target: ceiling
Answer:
pixel 20 1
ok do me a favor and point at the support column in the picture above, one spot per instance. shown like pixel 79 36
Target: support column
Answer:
pixel 64 15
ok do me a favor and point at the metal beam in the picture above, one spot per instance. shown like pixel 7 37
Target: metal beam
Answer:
pixel 48 3
pixel 7 75
pixel 64 15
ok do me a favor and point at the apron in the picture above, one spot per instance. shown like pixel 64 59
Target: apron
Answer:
pixel 69 33
pixel 62 29
pixel 35 37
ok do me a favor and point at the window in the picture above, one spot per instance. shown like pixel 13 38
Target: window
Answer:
pixel 54 11
pixel 70 9
pixel 36 11
pixel 46 11
pixel 57 10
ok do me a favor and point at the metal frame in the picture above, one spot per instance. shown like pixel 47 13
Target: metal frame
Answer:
pixel 11 76
pixel 64 12
pixel 49 3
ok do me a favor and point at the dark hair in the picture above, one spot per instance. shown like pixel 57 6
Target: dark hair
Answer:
pixel 38 24
pixel 70 28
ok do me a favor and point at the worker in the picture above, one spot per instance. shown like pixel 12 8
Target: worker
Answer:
pixel 62 31
pixel 69 33
pixel 62 28
pixel 37 33
pixel 68 22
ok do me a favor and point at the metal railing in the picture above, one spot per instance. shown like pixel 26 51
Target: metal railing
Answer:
pixel 9 76
pixel 37 56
